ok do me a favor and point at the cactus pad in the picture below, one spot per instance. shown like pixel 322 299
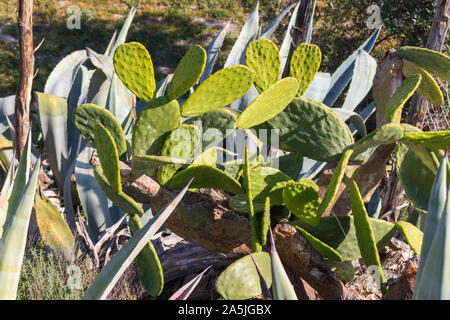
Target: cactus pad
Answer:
pixel 240 281
pixel 303 201
pixel 149 164
pixel 387 134
pixel 402 94
pixel 412 234
pixel 264 181
pixel 120 199
pixel 434 140
pixel 265 222
pixel 108 155
pixel 428 87
pixel 434 62
pixel 219 90
pixel 320 246
pixel 305 63
pixel 216 125
pixel 335 182
pixel 364 232
pixel 188 72
pixel 134 67
pixel 160 117
pixel 148 265
pixel 181 144
pixel 85 118
pixel 269 103
pixel 312 129
pixel 238 203
pixel 208 158
pixel 339 233
pixel 204 177
pixel 263 57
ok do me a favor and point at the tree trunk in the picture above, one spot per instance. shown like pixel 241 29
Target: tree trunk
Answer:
pixel 436 40
pixel 26 68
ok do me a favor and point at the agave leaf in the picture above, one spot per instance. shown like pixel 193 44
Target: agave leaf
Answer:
pixel 5 194
pixel 93 199
pixel 363 75
pixel 124 31
pixel 185 291
pixel 120 99
pixel 61 78
pixel 286 45
pixel 318 88
pixel 273 25
pixel 68 204
pixel 213 51
pixel 344 73
pixel 265 292
pixel 110 274
pixel 98 88
pixel 7 105
pixel 436 207
pixel 102 62
pixel 53 119
pixel 356 120
pixel 282 287
pixel 53 228
pixel 12 243
pixel 109 48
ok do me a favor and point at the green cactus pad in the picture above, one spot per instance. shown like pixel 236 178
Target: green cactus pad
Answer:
pixel 120 199
pixel 108 155
pixel 413 235
pixel 207 158
pixel 268 104
pixel 434 140
pixel 148 265
pixel 305 63
pixel 216 125
pixel 265 222
pixel 428 87
pixel 434 62
pixel 320 246
pixel 134 67
pixel 181 144
pixel 387 134
pixel 335 182
pixel 160 117
pixel 238 203
pixel 402 94
pixel 53 228
pixel 290 164
pixel 265 181
pixel 149 164
pixel 263 57
pixel 303 200
pixel 344 270
pixel 85 118
pixel 364 232
pixel 240 281
pixel 219 90
pixel 415 178
pixel 312 129
pixel 188 72
pixel 204 177
pixel 339 233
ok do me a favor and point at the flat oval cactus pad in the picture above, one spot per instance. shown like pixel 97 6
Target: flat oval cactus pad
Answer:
pixel 134 67
pixel 305 63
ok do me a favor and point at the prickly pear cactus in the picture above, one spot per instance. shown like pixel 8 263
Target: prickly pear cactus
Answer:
pixel 303 200
pixel 218 90
pixel 149 164
pixel 305 63
pixel 269 103
pixel 428 87
pixel 312 129
pixel 182 144
pixel 265 222
pixel 160 117
pixel 320 247
pixel 188 72
pixel 134 66
pixel 412 234
pixel 240 280
pixel 108 155
pixel 434 62
pixel 85 118
pixel 263 57
pixel 402 94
